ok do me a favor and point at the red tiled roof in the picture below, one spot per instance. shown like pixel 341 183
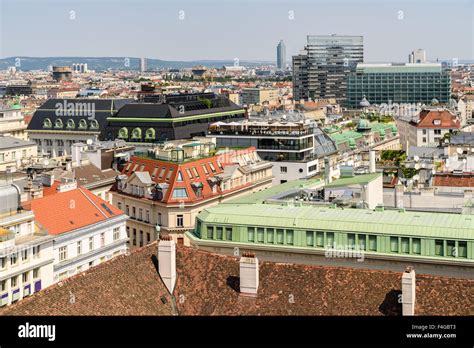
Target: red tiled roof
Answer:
pixel 171 170
pixel 444 119
pixel 209 285
pixel 67 211
pixel 454 180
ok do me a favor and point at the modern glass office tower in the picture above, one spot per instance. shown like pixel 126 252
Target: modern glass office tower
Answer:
pixel 398 83
pixel 281 55
pixel 321 70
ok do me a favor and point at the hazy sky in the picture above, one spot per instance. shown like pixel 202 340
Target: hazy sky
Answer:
pixel 226 29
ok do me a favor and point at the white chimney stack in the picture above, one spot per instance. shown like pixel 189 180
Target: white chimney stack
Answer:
pixel 249 274
pixel 371 161
pixel 408 291
pixel 167 261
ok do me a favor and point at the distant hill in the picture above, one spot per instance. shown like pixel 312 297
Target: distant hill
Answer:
pixel 114 63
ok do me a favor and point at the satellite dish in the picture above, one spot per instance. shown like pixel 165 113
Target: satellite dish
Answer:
pixel 89 142
pixel 416 158
pixel 417 166
pixel 459 150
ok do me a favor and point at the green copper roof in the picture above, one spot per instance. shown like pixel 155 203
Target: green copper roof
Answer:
pixel 308 217
pixel 354 180
pixel 343 137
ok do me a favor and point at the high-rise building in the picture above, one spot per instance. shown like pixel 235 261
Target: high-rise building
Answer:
pixel 398 83
pixel 281 55
pixel 417 56
pixel 142 64
pixel 321 70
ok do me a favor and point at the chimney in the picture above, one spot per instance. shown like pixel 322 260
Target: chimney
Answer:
pixel 167 261
pixel 371 161
pixel 249 274
pixel 408 291
pixel 327 171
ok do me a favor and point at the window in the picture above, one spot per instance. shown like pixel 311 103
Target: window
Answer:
pixel 219 233
pixel 159 219
pixel 351 240
pixel 180 177
pixel 212 167
pixel 439 247
pixel 62 275
pixel 119 205
pixel 133 212
pixel 416 246
pixel 14 281
pixel 372 243
pixel 134 236
pixel 3 285
pixel 24 277
pixel 405 245
pixel 279 236
pixel 168 175
pixel 462 249
pixel 127 210
pixel 362 242
pixel 147 216
pixel 116 233
pixel 180 221
pixel 451 248
pixel 210 232
pixel 283 170
pixel 289 237
pixel 270 233
pixel 260 234
pixel 320 239
pixel 394 244
pixel 148 237
pixel 330 239
pixel 62 253
pixel 228 233
pixel 36 273
pixel 79 269
pixel 189 173
pixel 91 264
pixel 102 239
pixel 162 172
pixel 180 193
pixel 251 234
pixel 24 255
pixel 91 243
pixel 205 169
pixel 424 139
pixel 141 238
pixel 196 174
pixel 79 248
pixel 13 259
pixel 309 238
pixel 3 262
pixel 437 131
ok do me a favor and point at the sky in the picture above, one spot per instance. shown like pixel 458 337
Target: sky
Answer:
pixel 228 29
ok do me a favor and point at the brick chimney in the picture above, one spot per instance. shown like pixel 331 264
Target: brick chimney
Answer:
pixel 408 291
pixel 249 274
pixel 167 261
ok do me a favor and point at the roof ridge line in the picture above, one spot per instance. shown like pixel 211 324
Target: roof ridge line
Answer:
pixel 90 200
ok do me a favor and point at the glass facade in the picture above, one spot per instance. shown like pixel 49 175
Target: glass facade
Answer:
pixel 400 84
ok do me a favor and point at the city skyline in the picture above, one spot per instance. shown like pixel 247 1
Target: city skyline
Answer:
pixel 398 28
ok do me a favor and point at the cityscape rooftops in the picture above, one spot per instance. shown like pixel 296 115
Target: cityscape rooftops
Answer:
pixel 217 277
pixel 437 119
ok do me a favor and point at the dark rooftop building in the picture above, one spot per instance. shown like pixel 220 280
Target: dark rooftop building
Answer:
pixel 169 117
pixel 209 284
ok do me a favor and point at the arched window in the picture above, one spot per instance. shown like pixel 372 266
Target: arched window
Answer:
pixel 150 133
pixel 47 123
pixel 70 124
pixel 58 123
pixel 82 124
pixel 137 133
pixel 123 133
pixel 94 124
